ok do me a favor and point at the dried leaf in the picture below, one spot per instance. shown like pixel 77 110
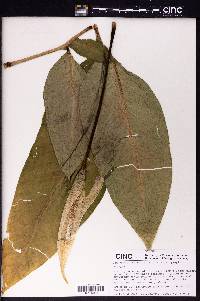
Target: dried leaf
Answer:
pixel 76 206
pixel 38 203
pixel 61 94
pixel 63 116
pixel 92 50
pixel 130 146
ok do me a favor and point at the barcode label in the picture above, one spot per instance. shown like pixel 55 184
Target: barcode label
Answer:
pixel 90 288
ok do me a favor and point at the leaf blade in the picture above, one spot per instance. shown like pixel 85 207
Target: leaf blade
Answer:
pixel 92 50
pixel 76 206
pixel 61 93
pixel 32 241
pixel 132 143
pixel 35 185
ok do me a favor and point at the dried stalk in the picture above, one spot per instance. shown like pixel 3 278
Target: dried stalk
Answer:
pixel 107 61
pixel 61 47
pixel 98 37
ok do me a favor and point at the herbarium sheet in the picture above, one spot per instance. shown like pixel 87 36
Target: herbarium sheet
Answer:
pixel 98 157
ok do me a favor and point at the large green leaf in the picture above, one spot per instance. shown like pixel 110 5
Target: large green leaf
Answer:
pixel 61 96
pixel 35 213
pixel 130 146
pixel 38 203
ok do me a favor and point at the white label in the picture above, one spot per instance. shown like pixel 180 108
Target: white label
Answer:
pixel 154 273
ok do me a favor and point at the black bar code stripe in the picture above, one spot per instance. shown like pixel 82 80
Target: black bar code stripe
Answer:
pixel 90 288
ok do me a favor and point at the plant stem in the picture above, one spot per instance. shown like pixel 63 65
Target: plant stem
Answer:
pixel 98 37
pixel 61 47
pixel 107 61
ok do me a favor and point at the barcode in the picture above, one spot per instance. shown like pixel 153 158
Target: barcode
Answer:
pixel 90 288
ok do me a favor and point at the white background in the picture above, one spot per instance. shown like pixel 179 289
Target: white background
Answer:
pixel 162 52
